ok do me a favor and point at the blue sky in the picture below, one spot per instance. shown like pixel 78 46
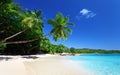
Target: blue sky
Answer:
pixel 97 22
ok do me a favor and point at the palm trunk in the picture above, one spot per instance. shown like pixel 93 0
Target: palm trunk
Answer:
pixel 26 41
pixel 20 42
pixel 47 35
pixel 16 34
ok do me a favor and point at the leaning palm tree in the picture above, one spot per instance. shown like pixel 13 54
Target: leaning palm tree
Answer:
pixel 31 20
pixel 60 27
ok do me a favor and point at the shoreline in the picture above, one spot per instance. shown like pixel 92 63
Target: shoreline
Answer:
pixel 44 65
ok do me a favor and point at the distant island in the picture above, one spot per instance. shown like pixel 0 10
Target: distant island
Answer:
pixel 95 51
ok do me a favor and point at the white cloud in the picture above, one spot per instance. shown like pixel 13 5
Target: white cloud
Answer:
pixel 86 13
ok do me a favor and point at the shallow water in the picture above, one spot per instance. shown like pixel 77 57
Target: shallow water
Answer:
pixel 101 64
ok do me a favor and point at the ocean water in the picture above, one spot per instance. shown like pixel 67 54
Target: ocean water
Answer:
pixel 100 64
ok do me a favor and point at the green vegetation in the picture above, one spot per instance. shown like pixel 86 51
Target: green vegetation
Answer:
pixel 21 32
pixel 96 51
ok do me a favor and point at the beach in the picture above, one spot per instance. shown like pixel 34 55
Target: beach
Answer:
pixel 46 65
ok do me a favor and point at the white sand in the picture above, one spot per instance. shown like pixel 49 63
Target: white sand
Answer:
pixel 54 65
pixel 12 67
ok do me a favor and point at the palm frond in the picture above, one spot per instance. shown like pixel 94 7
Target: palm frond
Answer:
pixel 52 22
pixel 65 36
pixel 38 12
pixel 59 18
pixel 70 23
pixel 66 19
pixel 68 30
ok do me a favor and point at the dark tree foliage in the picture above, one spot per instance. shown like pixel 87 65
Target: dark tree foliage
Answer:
pixel 11 22
pixel 21 31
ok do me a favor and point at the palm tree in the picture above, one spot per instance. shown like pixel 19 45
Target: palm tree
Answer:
pixel 60 27
pixel 31 20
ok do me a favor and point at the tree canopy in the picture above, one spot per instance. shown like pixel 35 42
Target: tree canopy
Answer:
pixel 21 31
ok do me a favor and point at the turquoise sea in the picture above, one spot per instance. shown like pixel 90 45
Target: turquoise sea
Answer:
pixel 100 64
